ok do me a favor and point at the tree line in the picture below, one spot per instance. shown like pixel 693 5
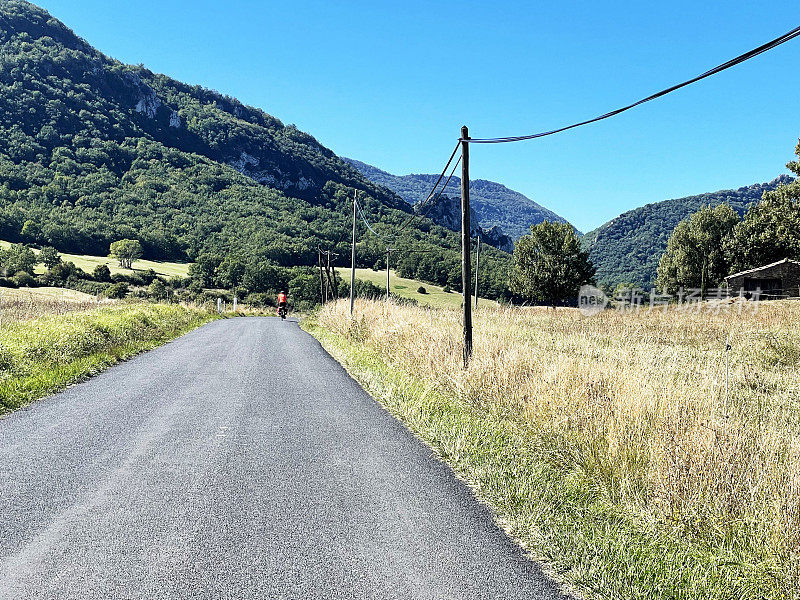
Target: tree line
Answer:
pixel 715 242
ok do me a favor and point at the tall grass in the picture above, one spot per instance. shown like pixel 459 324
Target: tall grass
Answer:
pixel 19 307
pixel 632 410
pixel 43 354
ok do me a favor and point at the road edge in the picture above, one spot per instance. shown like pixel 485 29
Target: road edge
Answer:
pixel 402 398
pixel 42 381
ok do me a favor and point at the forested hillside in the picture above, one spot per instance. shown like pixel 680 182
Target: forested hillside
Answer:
pixel 493 202
pixel 92 151
pixel 627 249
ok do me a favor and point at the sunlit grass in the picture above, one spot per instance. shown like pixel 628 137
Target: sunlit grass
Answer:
pixel 18 304
pixel 608 443
pixel 88 263
pixel 434 297
pixel 43 354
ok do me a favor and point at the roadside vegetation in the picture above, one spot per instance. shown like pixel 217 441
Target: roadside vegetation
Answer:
pixel 23 304
pixel 611 445
pixel 45 346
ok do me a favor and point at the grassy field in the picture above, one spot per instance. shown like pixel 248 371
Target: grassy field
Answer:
pixel 29 303
pixel 610 446
pixel 88 262
pixel 44 293
pixel 435 297
pixel 45 353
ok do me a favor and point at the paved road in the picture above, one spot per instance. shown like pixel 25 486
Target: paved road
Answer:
pixel 209 468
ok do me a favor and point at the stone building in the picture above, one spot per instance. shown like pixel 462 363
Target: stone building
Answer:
pixel 779 279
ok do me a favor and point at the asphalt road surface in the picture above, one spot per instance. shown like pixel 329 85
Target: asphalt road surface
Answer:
pixel 239 461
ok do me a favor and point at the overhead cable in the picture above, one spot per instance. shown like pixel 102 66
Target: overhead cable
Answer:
pixel 433 191
pixel 363 218
pixel 727 65
pixel 420 213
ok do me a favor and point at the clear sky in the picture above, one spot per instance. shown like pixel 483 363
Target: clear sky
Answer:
pixel 390 83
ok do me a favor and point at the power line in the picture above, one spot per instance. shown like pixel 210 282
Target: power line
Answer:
pixel 422 214
pixel 727 65
pixel 363 218
pixel 447 166
pixel 444 187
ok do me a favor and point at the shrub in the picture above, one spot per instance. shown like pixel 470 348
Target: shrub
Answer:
pixel 95 288
pixel 176 282
pixel 136 278
pixel 61 272
pixel 261 299
pixel 117 290
pixel 367 289
pixel 148 276
pixel 157 290
pixel 24 279
pixel 421 290
pixel 101 273
pixel 447 289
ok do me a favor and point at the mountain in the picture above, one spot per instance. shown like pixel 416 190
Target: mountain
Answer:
pixel 627 248
pixel 446 211
pixel 493 202
pixel 93 150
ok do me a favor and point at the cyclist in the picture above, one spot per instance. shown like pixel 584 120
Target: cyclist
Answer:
pixel 283 302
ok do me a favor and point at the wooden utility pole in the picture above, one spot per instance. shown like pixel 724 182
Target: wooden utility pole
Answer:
pixel 388 289
pixel 332 271
pixel 323 297
pixel 466 254
pixel 331 284
pixel 353 257
pixel 477 268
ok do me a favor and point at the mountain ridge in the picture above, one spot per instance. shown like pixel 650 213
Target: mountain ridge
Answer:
pixel 494 203
pixel 93 150
pixel 627 248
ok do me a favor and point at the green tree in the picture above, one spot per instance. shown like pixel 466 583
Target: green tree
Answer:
pixel 204 269
pixel 101 273
pixel 231 271
pixel 61 272
pixel 49 257
pixel 770 230
pixel 695 256
pixel 17 258
pixel 157 290
pixel 304 290
pixel 117 290
pixel 24 279
pixel 263 277
pixel 30 231
pixel 126 251
pixel 549 265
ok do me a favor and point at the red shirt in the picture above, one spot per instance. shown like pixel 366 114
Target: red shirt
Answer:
pixel 282 298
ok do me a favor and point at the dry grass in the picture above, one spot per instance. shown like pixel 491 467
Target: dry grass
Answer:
pixel 30 303
pixel 43 354
pixel 636 406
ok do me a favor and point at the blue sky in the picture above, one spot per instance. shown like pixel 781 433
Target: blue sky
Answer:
pixel 390 83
